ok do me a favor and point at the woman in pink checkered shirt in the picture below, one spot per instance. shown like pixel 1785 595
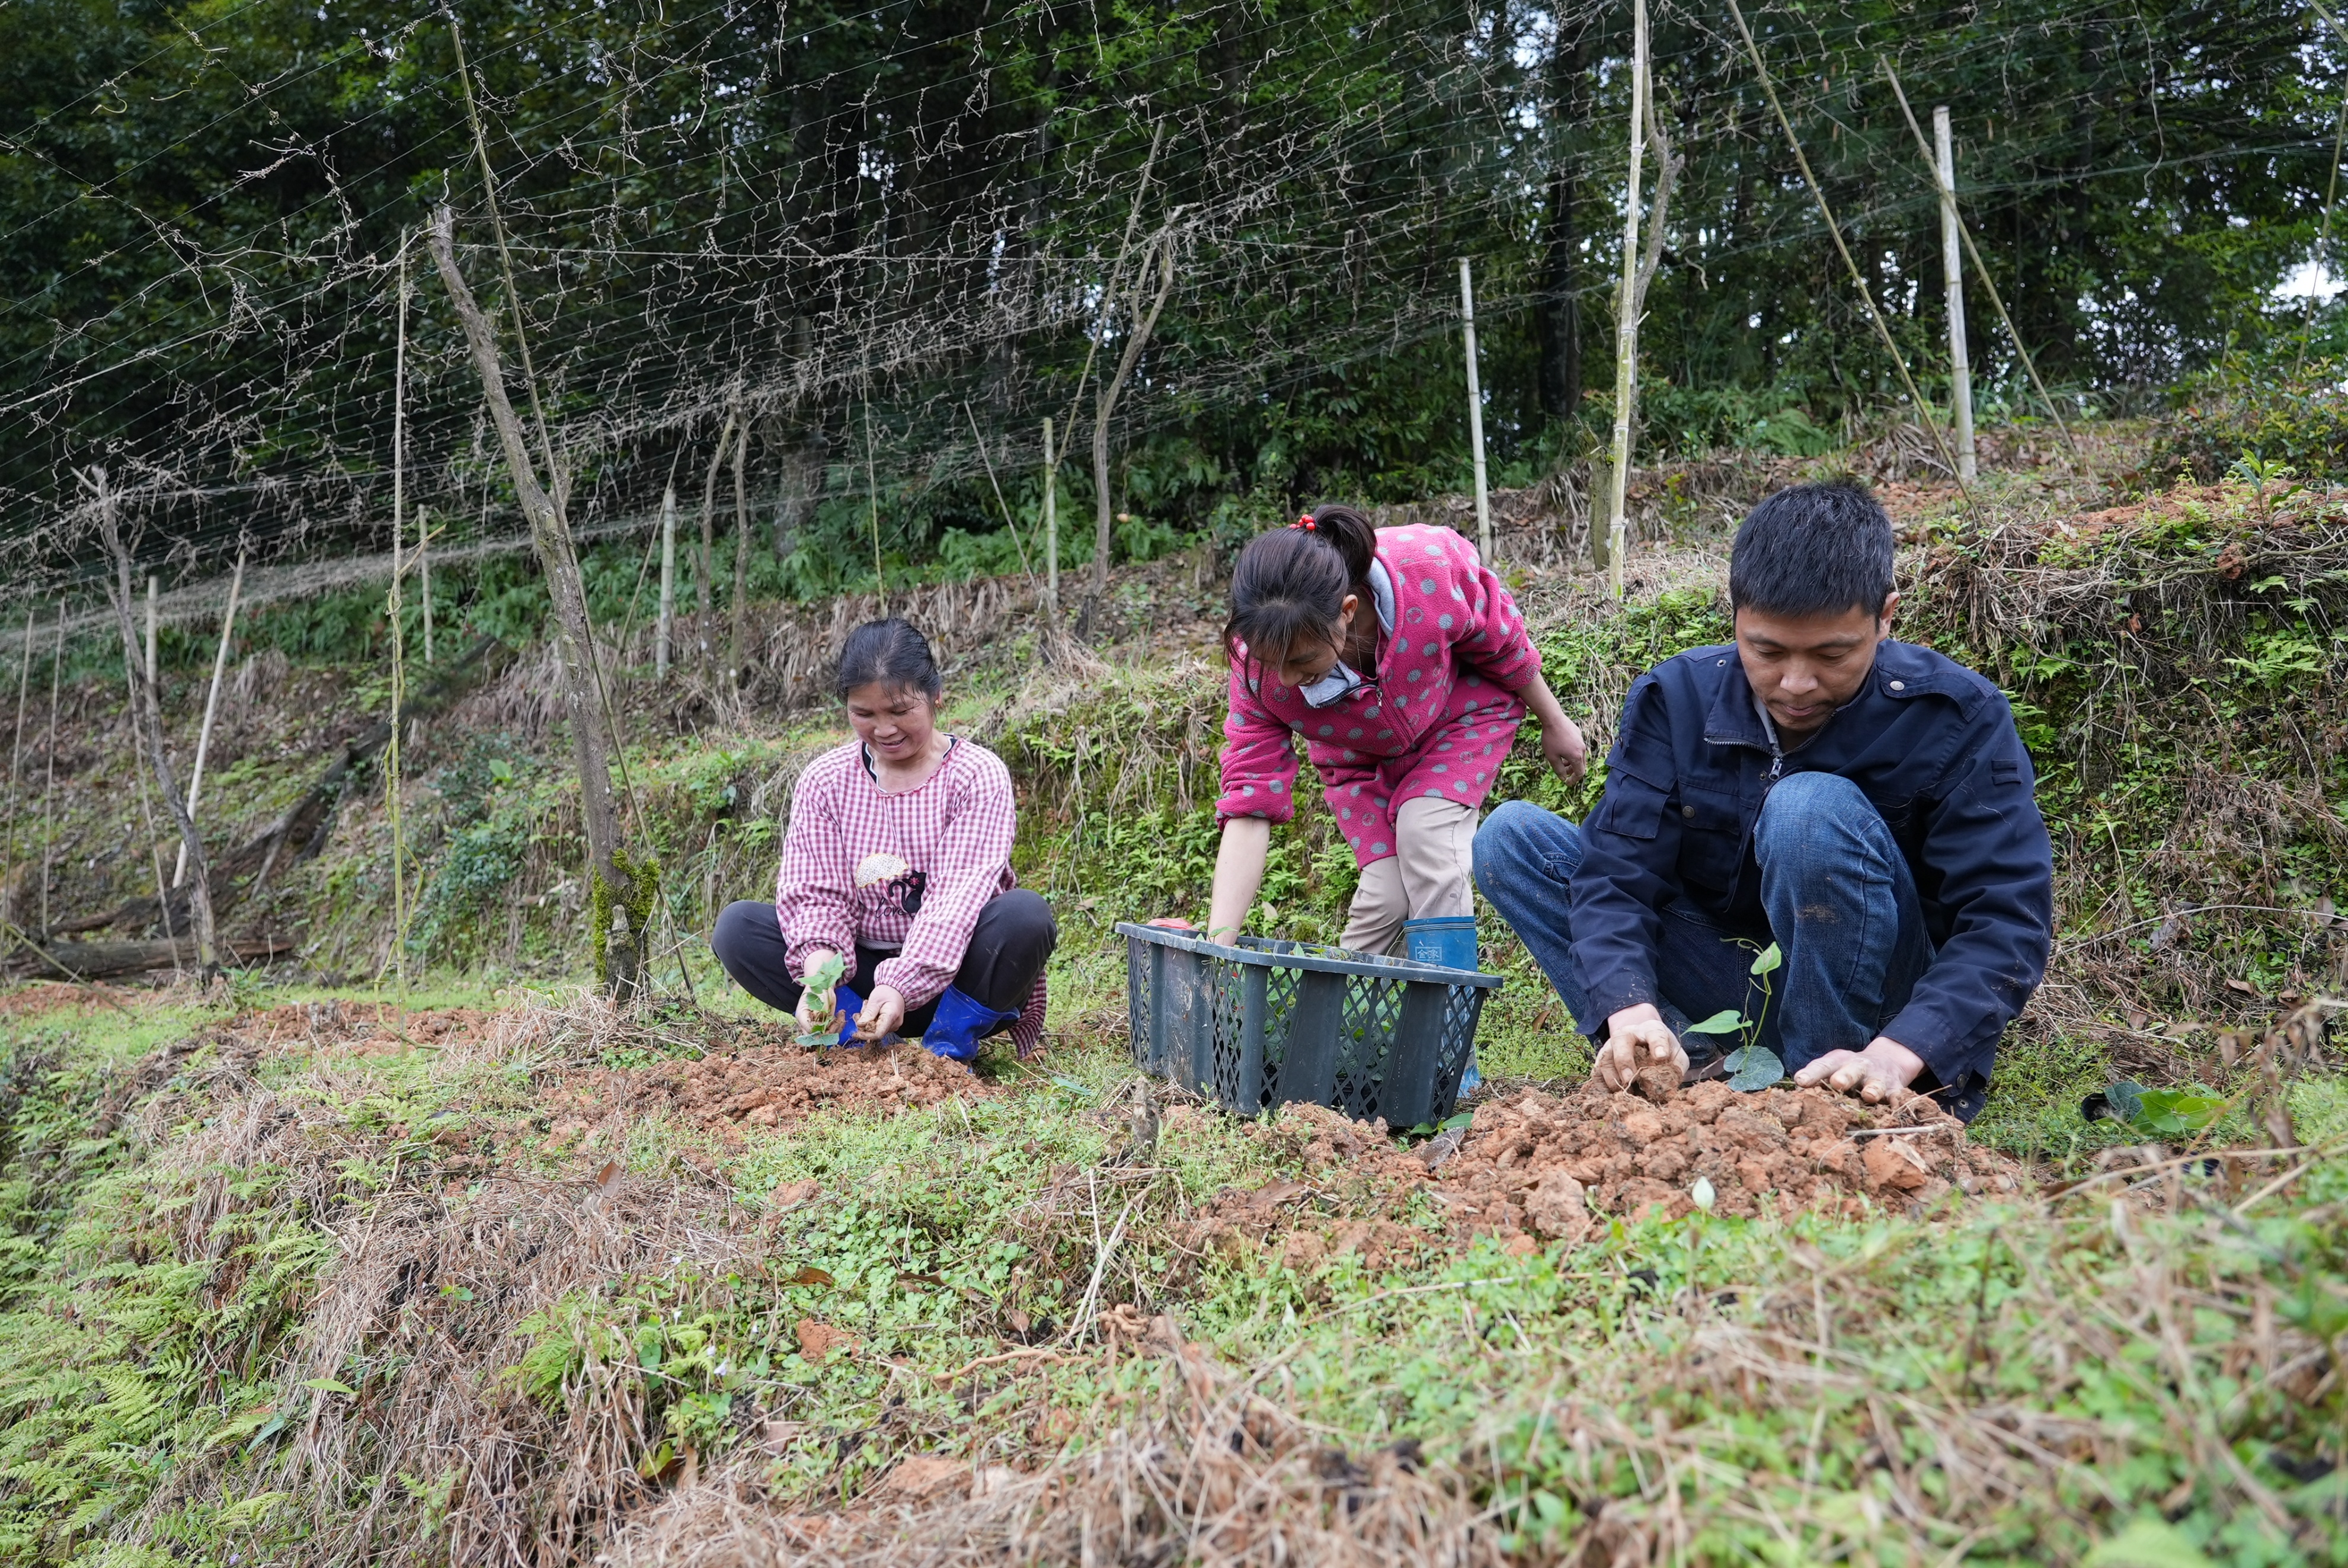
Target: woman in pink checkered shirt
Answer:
pixel 898 860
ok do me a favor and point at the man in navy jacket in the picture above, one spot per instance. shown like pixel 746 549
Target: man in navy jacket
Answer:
pixel 1864 803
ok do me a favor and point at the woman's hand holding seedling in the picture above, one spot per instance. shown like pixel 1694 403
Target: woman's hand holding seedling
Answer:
pixel 1636 1038
pixel 818 1012
pixel 1875 1074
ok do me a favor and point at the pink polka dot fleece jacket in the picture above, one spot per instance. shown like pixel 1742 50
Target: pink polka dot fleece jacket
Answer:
pixel 1436 718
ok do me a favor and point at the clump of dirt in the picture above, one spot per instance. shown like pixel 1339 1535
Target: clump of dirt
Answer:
pixel 1537 1166
pixel 759 1086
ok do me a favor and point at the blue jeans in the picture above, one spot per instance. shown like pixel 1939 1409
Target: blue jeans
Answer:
pixel 1841 905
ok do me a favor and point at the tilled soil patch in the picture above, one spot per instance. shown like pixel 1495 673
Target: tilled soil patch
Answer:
pixel 756 1086
pixel 1537 1166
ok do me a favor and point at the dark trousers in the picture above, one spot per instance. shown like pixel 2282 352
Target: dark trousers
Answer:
pixel 1841 904
pixel 1008 949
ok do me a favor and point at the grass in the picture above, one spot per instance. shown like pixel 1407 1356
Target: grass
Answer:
pixel 197 1355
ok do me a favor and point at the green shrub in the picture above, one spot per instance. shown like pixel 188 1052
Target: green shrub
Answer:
pixel 2292 418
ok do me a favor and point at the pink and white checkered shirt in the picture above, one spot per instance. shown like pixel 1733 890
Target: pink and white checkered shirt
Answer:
pixel 955 827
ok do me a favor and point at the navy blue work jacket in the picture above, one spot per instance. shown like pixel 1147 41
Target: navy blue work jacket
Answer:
pixel 1931 745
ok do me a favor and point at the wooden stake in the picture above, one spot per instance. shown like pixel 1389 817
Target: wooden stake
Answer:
pixel 1988 284
pixel 1960 374
pixel 668 583
pixel 1626 316
pixel 49 762
pixel 872 497
pixel 1051 531
pixel 1475 415
pixel 212 705
pixel 1834 231
pixel 16 761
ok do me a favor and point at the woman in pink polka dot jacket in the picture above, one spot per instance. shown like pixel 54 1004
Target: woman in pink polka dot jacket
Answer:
pixel 1401 659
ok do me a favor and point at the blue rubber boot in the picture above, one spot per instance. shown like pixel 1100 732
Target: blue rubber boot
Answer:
pixel 849 1005
pixel 961 1023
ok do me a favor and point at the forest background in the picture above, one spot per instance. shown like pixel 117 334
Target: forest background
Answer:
pixel 889 239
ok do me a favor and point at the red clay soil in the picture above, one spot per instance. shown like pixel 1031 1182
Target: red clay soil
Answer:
pixel 358 1028
pixel 761 1085
pixel 1551 1167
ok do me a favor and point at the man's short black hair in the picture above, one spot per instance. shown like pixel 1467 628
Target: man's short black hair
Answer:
pixel 1813 550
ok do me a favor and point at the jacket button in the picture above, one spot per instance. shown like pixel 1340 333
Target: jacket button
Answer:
pixel 1899 685
pixel 1687 810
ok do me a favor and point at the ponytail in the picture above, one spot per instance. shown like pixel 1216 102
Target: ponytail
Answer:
pixel 1289 585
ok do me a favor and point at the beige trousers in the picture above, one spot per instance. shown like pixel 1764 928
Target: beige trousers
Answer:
pixel 1428 875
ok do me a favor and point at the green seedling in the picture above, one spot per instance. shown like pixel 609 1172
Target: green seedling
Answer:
pixel 2162 1113
pixel 821 982
pixel 1752 1066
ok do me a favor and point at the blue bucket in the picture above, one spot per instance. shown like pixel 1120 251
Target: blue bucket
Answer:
pixel 1447 941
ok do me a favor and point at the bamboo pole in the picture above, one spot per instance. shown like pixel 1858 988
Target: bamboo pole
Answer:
pixel 49 764
pixel 872 497
pixel 424 572
pixel 738 596
pixel 1834 231
pixel 706 564
pixel 15 763
pixel 1009 522
pixel 1989 284
pixel 1626 316
pixel 1051 531
pixel 1475 415
pixel 398 953
pixel 154 588
pixel 1960 374
pixel 212 704
pixel 668 583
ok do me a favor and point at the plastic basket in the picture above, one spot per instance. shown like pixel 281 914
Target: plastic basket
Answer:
pixel 1270 1021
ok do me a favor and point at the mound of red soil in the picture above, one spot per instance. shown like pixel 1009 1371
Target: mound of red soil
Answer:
pixel 761 1085
pixel 1541 1166
pixel 1552 1163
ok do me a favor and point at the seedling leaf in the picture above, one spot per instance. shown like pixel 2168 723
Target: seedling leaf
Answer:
pixel 1752 1068
pixel 1771 957
pixel 813 1039
pixel 1727 1021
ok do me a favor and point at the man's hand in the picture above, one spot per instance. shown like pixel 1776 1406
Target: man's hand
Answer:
pixel 1568 753
pixel 884 1011
pixel 816 1008
pixel 1875 1074
pixel 1636 1038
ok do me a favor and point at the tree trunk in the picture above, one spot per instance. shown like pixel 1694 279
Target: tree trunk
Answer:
pixel 1137 339
pixel 147 724
pixel 618 898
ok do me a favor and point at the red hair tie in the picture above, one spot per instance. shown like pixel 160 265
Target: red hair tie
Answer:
pixel 1307 523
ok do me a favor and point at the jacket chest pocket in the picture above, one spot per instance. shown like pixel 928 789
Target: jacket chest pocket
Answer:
pixel 1712 836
